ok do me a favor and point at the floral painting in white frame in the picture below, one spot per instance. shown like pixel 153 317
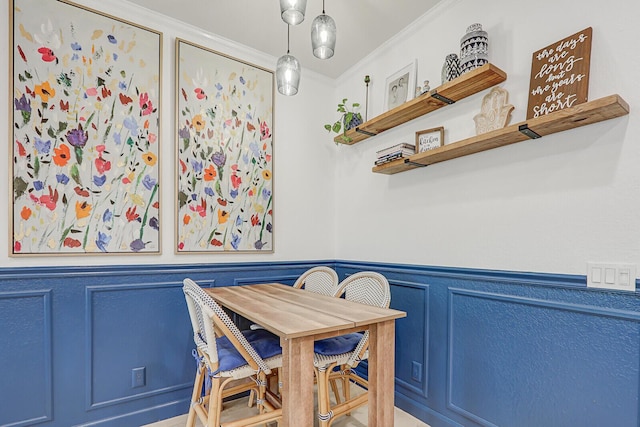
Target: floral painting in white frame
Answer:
pixel 85 113
pixel 224 143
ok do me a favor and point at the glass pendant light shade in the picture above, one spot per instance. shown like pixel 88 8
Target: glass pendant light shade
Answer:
pixel 292 11
pixel 288 75
pixel 323 36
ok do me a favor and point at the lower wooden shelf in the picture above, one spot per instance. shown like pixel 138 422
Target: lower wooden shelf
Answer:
pixel 606 108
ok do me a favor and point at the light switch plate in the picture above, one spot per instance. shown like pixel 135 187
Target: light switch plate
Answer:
pixel 620 277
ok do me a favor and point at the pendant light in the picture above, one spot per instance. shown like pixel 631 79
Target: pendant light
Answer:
pixel 292 11
pixel 288 72
pixel 323 36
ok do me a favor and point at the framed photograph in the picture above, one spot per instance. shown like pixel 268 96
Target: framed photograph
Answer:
pixel 400 87
pixel 85 132
pixel 224 159
pixel 429 139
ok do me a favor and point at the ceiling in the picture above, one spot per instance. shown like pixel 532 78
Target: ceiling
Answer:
pixel 363 25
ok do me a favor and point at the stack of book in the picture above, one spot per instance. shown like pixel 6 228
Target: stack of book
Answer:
pixel 398 151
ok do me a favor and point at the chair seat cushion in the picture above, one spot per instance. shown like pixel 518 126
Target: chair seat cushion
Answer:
pixel 264 342
pixel 337 345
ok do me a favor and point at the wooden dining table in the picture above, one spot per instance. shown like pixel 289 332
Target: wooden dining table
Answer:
pixel 299 318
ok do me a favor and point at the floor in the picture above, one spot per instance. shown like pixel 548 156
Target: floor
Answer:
pixel 358 418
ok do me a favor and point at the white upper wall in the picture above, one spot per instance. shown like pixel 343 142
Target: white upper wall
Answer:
pixel 549 205
pixel 304 168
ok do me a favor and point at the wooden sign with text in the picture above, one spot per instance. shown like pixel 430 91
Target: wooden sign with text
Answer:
pixel 560 75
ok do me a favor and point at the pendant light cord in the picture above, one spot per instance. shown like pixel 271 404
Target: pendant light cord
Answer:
pixel 288 27
pixel 323 7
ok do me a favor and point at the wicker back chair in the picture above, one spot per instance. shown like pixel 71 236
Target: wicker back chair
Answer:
pixel 346 351
pixel 321 280
pixel 225 354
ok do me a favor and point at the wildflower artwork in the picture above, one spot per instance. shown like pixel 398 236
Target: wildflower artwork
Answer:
pixel 86 92
pixel 224 153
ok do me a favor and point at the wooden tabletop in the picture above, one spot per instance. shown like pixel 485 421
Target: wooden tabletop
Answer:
pixel 299 317
pixel 291 313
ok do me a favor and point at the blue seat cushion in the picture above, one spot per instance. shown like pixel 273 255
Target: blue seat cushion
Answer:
pixel 337 345
pixel 264 342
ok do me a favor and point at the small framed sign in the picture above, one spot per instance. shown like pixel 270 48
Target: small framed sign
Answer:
pixel 429 139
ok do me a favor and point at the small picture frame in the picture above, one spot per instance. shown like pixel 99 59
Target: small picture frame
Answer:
pixel 400 86
pixel 429 139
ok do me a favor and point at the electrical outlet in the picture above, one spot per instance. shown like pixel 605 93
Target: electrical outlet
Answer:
pixel 416 371
pixel 620 277
pixel 138 377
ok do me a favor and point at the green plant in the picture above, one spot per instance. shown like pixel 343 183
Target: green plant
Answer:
pixel 349 118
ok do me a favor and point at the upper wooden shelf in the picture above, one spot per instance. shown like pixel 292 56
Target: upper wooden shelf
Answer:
pixel 606 108
pixel 469 83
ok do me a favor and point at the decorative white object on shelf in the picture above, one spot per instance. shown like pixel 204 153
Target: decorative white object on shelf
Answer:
pixel 450 68
pixel 423 89
pixel 474 48
pixel 495 111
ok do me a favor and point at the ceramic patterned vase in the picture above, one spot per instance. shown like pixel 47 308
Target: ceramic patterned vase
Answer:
pixel 356 120
pixel 450 68
pixel 474 48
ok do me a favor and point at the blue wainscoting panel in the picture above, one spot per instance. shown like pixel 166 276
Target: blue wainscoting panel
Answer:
pixel 477 348
pixel 141 325
pixel 513 349
pixel 548 363
pixel 411 368
pixel 70 337
pixel 25 358
pixel 287 279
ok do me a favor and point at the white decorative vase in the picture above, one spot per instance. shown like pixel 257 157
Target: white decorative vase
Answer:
pixel 474 48
pixel 450 68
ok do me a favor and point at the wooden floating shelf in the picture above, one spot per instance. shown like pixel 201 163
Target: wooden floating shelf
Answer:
pixel 606 108
pixel 469 83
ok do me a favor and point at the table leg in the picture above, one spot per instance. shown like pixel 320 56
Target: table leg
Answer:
pixel 297 382
pixel 381 373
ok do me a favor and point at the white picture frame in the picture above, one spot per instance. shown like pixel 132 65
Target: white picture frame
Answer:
pixel 231 177
pixel 400 87
pixel 86 131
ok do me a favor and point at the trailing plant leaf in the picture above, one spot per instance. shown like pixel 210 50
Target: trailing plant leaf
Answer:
pixel 347 115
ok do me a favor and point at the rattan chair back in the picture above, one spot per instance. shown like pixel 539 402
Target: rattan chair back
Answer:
pixel 321 280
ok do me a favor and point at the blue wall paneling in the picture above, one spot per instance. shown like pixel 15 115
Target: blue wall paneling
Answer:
pixel 513 349
pixel 477 348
